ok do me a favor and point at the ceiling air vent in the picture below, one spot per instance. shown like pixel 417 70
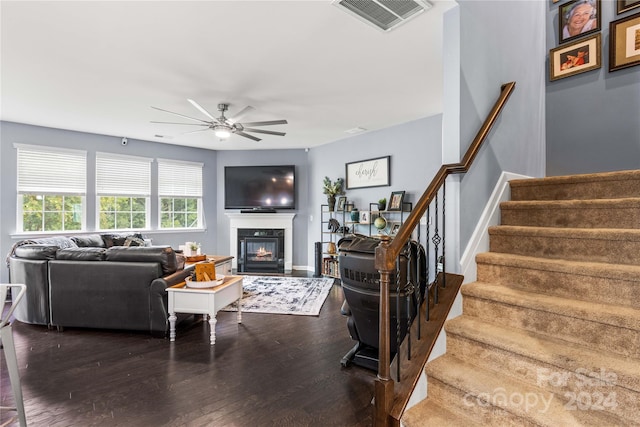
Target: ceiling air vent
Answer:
pixel 383 14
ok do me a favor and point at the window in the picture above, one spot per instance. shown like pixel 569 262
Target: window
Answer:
pixel 180 192
pixel 51 188
pixel 123 187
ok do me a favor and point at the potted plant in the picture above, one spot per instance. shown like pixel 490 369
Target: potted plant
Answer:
pixel 193 248
pixel 382 204
pixel 331 189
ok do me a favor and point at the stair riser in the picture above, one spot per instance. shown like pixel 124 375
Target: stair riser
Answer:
pixel 572 218
pixel 612 189
pixel 607 338
pixel 480 410
pixel 566 285
pixel 567 384
pixel 577 248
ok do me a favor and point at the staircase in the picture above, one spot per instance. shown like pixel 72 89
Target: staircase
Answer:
pixel 550 331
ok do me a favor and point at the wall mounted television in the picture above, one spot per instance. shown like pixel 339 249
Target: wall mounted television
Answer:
pixel 259 187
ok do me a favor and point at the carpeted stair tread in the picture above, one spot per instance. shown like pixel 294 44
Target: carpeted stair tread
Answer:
pixel 429 413
pixel 585 268
pixel 605 282
pixel 617 234
pixel 621 203
pixel 550 351
pixel 604 185
pixel 613 315
pixel 471 388
pixel 600 213
pixel 581 244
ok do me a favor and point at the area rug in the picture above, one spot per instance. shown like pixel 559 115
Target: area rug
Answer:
pixel 283 295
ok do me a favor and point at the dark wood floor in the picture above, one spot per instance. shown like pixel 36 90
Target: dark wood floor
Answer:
pixel 272 370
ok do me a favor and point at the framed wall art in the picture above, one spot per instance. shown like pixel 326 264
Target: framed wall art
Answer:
pixel 365 217
pixel 342 202
pixel 575 58
pixel 625 5
pixel 395 201
pixel 624 43
pixel 578 18
pixel 369 173
pixel 394 228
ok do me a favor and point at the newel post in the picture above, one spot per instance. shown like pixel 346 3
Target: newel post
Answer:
pixel 384 384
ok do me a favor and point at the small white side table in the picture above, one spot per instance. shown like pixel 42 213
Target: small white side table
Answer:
pixel 206 301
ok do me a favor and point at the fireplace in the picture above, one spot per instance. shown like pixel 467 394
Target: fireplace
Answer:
pixel 260 250
pixel 261 222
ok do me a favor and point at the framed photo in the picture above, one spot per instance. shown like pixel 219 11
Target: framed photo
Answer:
pixel 395 201
pixel 624 5
pixel 365 217
pixel 394 228
pixel 578 18
pixel 342 202
pixel 578 57
pixel 624 42
pixel 369 173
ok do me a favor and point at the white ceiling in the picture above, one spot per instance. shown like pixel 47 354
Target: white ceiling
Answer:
pixel 98 66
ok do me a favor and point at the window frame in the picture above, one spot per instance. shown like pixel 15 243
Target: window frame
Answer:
pixel 118 165
pixel 43 170
pixel 183 180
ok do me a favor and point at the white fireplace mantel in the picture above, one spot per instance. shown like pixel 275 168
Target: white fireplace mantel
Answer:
pixel 262 220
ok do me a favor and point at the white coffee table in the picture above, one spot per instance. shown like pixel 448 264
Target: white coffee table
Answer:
pixel 206 301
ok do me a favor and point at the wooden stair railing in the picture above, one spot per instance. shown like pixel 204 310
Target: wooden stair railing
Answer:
pixel 385 260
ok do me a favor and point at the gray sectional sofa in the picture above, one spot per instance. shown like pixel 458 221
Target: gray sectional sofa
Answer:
pixel 95 281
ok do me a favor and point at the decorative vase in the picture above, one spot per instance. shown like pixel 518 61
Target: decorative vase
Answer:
pixel 331 200
pixel 355 215
pixel 331 248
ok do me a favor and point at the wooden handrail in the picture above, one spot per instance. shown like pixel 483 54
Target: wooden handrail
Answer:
pixel 388 251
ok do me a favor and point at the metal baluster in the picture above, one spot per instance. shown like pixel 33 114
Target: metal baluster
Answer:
pixel 420 296
pixel 436 242
pixel 427 262
pixel 410 296
pixel 398 317
pixel 444 230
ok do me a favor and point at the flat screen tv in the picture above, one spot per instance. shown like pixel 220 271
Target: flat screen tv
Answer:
pixel 259 187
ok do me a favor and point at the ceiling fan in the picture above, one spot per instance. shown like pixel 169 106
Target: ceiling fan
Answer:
pixel 223 126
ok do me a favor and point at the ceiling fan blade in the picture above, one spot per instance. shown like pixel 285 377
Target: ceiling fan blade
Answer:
pixel 239 114
pixel 202 110
pixel 188 124
pixel 270 132
pixel 194 131
pixel 181 115
pixel 267 123
pixel 246 135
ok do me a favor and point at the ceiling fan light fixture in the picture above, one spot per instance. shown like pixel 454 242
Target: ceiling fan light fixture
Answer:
pixel 222 131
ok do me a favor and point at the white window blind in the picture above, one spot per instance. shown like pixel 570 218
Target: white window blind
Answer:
pixel 179 179
pixel 45 170
pixel 118 175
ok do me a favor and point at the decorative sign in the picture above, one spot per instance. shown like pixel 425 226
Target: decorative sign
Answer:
pixel 369 173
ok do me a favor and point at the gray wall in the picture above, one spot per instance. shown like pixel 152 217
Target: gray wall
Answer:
pixel 500 41
pixel 298 158
pixel 415 150
pixel 593 118
pixel 11 133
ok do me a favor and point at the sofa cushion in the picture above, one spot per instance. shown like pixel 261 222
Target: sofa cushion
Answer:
pixel 160 254
pixel 81 254
pixel 133 241
pixel 33 251
pixel 59 241
pixel 119 239
pixel 91 240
